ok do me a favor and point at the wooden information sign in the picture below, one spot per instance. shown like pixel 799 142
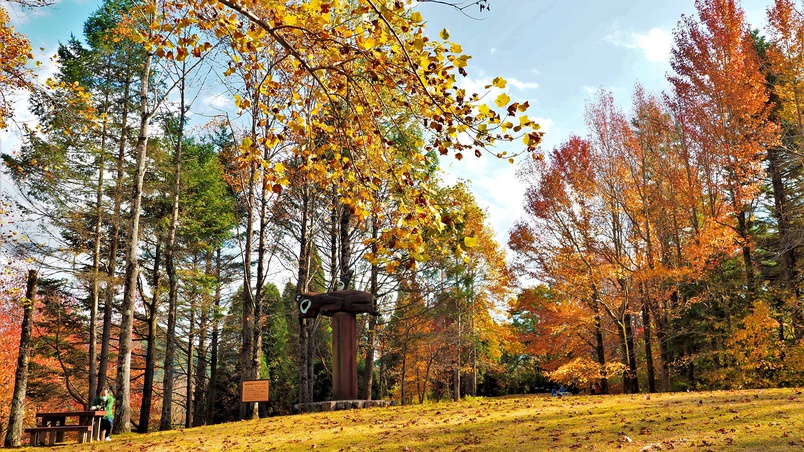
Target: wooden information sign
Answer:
pixel 254 391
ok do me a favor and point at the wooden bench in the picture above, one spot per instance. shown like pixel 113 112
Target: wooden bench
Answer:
pixel 38 433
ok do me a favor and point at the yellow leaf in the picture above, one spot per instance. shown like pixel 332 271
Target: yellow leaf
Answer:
pixel 461 61
pixel 502 100
pixel 368 43
pixel 456 48
pixel 523 120
pixel 444 34
pixel 499 82
pixel 416 17
pixel 256 33
pixel 470 242
pixel 279 168
pixel 484 109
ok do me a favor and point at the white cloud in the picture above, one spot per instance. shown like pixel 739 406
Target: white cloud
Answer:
pixel 493 50
pixel 522 85
pixel 655 45
pixel 219 100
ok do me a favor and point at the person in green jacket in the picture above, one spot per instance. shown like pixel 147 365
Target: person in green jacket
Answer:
pixel 106 403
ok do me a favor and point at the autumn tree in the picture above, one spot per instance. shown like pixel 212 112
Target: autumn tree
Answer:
pixel 14 73
pixel 717 77
pixel 784 54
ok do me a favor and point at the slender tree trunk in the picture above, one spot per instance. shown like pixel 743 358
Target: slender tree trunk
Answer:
pixel 742 229
pixel 189 409
pixel 123 413
pixel 692 383
pixel 345 247
pixel 248 371
pixel 632 364
pixel 166 421
pixel 213 361
pixel 114 240
pixel 786 247
pixel 263 264
pixel 303 271
pixel 368 372
pixel 664 346
pixel 600 349
pixel 457 390
pixel 150 351
pixel 92 369
pixel 647 330
pixel 199 418
pixel 17 415
pixel 403 374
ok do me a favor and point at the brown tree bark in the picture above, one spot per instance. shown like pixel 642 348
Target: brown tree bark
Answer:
pixel 150 351
pixel 123 412
pixel 14 434
pixel 114 240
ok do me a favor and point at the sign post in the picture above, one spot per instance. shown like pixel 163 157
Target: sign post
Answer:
pixel 254 391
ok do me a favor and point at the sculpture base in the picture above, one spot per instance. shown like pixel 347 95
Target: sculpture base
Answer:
pixel 336 405
pixel 344 356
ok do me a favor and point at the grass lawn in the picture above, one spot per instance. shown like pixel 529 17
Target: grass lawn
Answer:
pixel 756 420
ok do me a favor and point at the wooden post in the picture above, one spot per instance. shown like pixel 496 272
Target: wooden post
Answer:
pixel 344 356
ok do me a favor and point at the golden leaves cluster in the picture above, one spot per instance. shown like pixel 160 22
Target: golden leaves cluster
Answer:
pixel 15 52
pixel 336 80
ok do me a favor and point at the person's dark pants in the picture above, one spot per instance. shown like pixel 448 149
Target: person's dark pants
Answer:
pixel 106 426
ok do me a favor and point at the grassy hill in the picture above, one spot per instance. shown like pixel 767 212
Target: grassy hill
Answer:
pixel 766 420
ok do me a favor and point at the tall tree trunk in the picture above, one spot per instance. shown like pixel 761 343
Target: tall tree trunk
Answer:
pixel 743 226
pixel 457 390
pixel 199 418
pixel 248 371
pixel 632 364
pixel 17 415
pixel 786 246
pixel 664 346
pixel 189 409
pixel 166 421
pixel 345 247
pixel 646 326
pixel 303 272
pixel 123 412
pixel 600 349
pixel 263 263
pixel 114 240
pixel 150 351
pixel 213 361
pixel 368 368
pixel 92 368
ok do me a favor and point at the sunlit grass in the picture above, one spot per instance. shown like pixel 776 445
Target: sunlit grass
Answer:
pixel 766 420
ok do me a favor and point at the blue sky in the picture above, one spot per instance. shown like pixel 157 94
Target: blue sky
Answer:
pixel 554 53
